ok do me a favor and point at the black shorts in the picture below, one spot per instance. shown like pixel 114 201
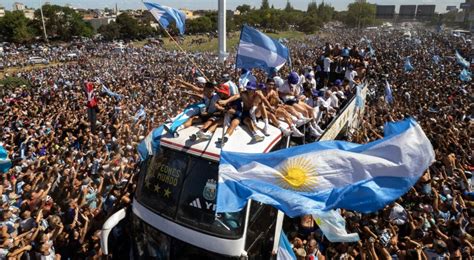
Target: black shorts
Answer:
pixel 291 102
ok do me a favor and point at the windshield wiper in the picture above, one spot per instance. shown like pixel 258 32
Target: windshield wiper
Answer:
pixel 222 223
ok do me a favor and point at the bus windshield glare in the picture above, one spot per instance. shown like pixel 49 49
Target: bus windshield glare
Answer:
pixel 183 188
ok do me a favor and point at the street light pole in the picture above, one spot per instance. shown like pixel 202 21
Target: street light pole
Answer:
pixel 42 19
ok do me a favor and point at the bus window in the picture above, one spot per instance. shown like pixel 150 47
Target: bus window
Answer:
pixel 183 188
pixel 197 204
pixel 161 186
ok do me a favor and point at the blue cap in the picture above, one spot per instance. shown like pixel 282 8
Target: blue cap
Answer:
pixel 262 86
pixel 251 85
pixel 338 82
pixel 293 78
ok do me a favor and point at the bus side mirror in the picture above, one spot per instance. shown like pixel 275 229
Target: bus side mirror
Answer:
pixel 109 224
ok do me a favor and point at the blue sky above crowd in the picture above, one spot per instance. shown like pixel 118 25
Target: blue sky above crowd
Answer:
pixel 231 4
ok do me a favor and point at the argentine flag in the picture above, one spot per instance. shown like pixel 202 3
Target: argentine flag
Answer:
pixel 407 66
pixel 388 93
pixel 257 50
pixel 321 176
pixel 166 15
pixel 285 252
pixel 151 143
pixel 461 61
pixel 5 163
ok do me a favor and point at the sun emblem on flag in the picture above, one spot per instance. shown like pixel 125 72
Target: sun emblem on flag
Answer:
pixel 298 174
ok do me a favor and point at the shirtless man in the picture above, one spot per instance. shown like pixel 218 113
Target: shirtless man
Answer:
pixel 278 110
pixel 254 105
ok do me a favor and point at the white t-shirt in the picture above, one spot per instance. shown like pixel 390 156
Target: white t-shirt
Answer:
pixel 327 64
pixel 288 92
pixel 350 75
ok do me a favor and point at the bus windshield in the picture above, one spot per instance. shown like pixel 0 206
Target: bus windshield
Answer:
pixel 183 188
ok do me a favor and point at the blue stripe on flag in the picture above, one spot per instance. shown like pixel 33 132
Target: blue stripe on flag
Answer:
pixel 285 252
pixel 165 15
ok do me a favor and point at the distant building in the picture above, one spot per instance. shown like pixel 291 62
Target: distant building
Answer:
pixel 98 22
pixel 29 13
pixel 190 14
pixel 2 11
pixel 17 6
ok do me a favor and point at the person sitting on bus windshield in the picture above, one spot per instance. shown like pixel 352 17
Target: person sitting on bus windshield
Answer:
pixel 254 107
pixel 232 112
pixel 291 93
pixel 278 111
pixel 234 91
pixel 209 99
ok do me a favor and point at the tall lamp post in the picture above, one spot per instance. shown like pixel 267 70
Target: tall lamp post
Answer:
pixel 222 34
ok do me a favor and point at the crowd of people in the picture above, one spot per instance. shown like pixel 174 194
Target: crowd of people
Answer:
pixel 72 137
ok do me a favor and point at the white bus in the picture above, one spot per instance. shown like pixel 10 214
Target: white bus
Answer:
pixel 173 211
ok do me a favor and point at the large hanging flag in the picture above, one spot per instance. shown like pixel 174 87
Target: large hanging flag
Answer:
pixel 166 15
pixel 257 50
pixel 461 61
pixel 285 252
pixel 333 226
pixel 407 66
pixel 5 163
pixel 321 176
pixel 388 93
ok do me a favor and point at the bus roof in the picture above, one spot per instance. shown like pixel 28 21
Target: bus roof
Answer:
pixel 240 141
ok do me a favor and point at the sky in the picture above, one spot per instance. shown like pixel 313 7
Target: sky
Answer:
pixel 231 4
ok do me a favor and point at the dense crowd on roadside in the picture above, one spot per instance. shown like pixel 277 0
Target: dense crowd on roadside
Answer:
pixel 68 176
pixel 435 219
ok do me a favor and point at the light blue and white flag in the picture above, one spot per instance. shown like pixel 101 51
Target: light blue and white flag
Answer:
pixel 188 112
pixel 359 100
pixel 151 144
pixel 461 61
pixel 141 113
pixel 257 50
pixel 285 252
pixel 5 163
pixel 321 176
pixel 465 75
pixel 408 67
pixel 388 93
pixel 111 93
pixel 333 226
pixel 166 15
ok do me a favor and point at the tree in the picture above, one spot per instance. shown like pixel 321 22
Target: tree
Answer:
pixel 360 14
pixel 110 31
pixel 312 8
pixel 62 22
pixel 243 8
pixel 265 5
pixel 129 27
pixel 14 27
pixel 201 24
pixel 288 7
pixel 325 12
